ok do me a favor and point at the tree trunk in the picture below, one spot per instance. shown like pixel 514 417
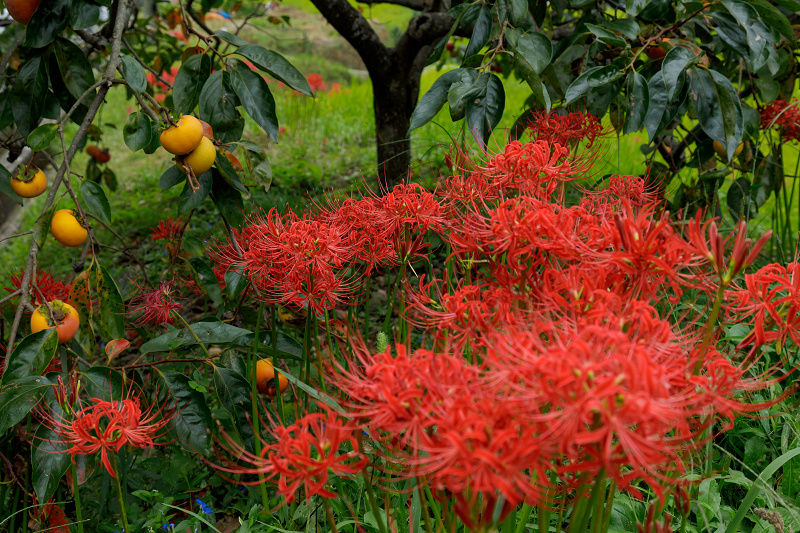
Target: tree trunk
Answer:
pixel 392 120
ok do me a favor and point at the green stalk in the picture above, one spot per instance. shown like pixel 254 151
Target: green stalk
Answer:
pixel 307 352
pixel 274 342
pixel 390 303
pixel 612 492
pixel 329 513
pixel 710 326
pixel 315 325
pixel 524 515
pixel 580 521
pixel 119 493
pixel 366 311
pixel 254 393
pixel 196 338
pixel 434 507
pixel 543 516
pixel 424 504
pixel 376 512
pixel 77 493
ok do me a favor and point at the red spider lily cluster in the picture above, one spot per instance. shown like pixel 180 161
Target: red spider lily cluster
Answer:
pixel 556 356
pixel 563 128
pixel 783 115
pixel 106 426
pixel 167 229
pixel 155 307
pixel 50 288
pixel 303 454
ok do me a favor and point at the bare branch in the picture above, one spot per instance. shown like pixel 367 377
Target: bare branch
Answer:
pixel 416 5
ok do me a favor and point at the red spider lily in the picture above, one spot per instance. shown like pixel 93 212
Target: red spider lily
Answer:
pixel 621 191
pixel 295 261
pixel 51 288
pixel 743 255
pixel 167 229
pixel 303 455
pixel 556 127
pixel 155 307
pixel 466 315
pixel 534 168
pixel 107 426
pixel 406 214
pixel 784 115
pixel 770 302
pixel 316 83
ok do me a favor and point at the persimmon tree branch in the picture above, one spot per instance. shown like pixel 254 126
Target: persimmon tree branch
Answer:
pixel 121 15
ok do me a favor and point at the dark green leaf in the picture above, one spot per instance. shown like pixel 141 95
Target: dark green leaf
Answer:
pixel 49 458
pixel 481 33
pixel 469 87
pixel 604 76
pixel 29 94
pixel 532 49
pixel 190 199
pixel 773 17
pixel 519 9
pixel 41 137
pixel 605 36
pixel 41 228
pixel 730 32
pixel 18 397
pixel 579 87
pixel 74 67
pixel 675 63
pixel 739 198
pixel 6 116
pixel 171 177
pixel 204 277
pixel 49 19
pixel 234 283
pixel 638 102
pixel 192 419
pixel 627 27
pixel 218 107
pixel 230 175
pixel 83 14
pixel 433 100
pixel 276 66
pixel 228 200
pixel 655 10
pixel 231 38
pixel 104 383
pixel 521 124
pixel 731 109
pixel 137 131
pixel 189 82
pixel 657 92
pixel 255 97
pixel 5 185
pixel 212 332
pixel 63 95
pixel 234 391
pixel 112 309
pixel 96 202
pixel 598 99
pixel 634 7
pixel 31 356
pixel 485 113
pixel 134 74
pixel 759 37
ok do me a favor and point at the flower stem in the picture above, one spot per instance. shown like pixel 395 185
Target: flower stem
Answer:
pixel 710 327
pixel 254 393
pixel 274 343
pixel 77 494
pixel 188 327
pixel 119 492
pixel 329 514
pixel 374 505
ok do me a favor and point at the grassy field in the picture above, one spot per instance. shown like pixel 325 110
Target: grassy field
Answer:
pixel 328 141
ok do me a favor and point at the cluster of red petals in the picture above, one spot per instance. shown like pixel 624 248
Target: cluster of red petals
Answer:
pixel 51 288
pixel 107 426
pixel 167 229
pixel 156 307
pixel 302 455
pixel 783 115
pixel 555 127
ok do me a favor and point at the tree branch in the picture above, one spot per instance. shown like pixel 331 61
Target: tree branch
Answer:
pixel 416 5
pixel 356 30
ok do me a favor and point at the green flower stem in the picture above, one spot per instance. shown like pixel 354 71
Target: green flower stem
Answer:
pixel 390 302
pixel 307 353
pixel 585 508
pixel 373 503
pixel 710 327
pixel 189 328
pixel 318 346
pixel 118 483
pixel 274 343
pixel 366 311
pixel 77 492
pixel 329 513
pixel 254 393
